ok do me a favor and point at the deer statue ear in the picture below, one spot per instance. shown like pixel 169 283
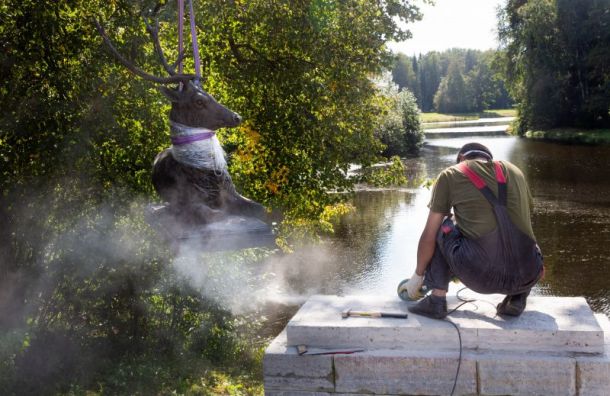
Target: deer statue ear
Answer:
pixel 173 95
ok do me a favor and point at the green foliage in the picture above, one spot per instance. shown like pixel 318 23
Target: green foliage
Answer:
pixel 405 73
pixel 572 136
pixel 452 96
pixel 393 175
pixel 430 75
pixel 457 80
pixel 400 128
pixel 301 79
pixel 91 301
pixel 556 59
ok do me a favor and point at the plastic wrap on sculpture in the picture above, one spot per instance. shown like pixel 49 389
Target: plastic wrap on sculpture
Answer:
pixel 197 147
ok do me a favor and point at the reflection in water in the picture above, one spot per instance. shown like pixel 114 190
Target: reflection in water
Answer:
pixel 375 247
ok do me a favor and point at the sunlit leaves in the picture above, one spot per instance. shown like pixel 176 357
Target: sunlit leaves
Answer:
pixel 556 61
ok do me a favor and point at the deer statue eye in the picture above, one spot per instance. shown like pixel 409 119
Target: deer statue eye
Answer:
pixel 201 101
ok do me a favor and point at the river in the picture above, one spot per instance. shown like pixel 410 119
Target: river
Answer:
pixel 375 247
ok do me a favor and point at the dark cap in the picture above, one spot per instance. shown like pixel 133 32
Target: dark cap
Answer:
pixel 474 150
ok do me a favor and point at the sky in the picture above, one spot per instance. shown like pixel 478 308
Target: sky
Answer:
pixel 450 24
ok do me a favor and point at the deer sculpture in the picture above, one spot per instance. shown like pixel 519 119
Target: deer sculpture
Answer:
pixel 192 175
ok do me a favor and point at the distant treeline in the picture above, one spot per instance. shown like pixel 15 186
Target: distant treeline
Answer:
pixel 453 81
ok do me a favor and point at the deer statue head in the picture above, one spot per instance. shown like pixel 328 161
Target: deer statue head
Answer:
pixel 192 107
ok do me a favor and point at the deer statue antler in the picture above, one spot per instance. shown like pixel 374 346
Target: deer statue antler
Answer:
pixel 153 30
pixel 173 78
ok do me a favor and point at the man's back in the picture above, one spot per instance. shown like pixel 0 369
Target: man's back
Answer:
pixel 473 213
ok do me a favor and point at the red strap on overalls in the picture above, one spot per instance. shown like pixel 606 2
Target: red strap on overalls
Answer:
pixel 476 179
pixel 480 184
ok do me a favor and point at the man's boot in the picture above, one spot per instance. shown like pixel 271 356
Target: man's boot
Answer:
pixel 431 306
pixel 513 305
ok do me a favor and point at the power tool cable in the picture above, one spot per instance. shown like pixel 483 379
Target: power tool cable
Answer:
pixel 464 302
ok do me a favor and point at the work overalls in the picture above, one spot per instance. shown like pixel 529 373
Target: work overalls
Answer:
pixel 505 261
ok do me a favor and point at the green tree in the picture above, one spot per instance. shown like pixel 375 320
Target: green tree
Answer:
pixel 400 129
pixel 485 86
pixel 84 279
pixel 404 72
pixel 429 76
pixel 314 111
pixel 452 95
pixel 555 59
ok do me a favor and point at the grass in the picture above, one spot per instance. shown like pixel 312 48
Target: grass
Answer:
pixel 441 117
pixel 572 136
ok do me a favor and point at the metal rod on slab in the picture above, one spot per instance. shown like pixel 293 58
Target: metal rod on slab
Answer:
pixel 373 314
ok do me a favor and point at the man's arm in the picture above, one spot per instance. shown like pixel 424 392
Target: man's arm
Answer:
pixel 427 241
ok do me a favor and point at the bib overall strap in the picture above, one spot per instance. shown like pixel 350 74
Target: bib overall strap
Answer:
pixel 480 184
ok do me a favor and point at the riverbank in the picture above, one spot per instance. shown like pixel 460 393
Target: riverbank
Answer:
pixel 572 136
pixel 444 117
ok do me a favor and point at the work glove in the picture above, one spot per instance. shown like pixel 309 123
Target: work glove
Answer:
pixel 413 287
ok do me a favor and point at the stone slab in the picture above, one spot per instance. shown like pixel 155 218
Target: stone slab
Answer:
pixel 284 370
pixel 524 374
pixel 300 393
pixel 554 324
pixel 593 372
pixel 398 372
pixel 294 393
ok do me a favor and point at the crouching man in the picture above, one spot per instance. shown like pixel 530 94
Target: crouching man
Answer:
pixel 490 246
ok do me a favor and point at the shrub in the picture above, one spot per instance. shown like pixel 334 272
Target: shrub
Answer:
pixel 400 129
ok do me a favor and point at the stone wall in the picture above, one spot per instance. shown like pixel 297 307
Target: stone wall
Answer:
pixel 556 347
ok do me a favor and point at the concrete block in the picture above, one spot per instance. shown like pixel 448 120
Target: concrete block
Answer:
pixel 604 323
pixel 294 393
pixel 553 324
pixel 593 376
pixel 524 374
pixel 285 370
pixel 404 372
pixel 593 372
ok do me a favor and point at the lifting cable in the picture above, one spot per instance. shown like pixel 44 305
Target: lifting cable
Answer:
pixel 193 29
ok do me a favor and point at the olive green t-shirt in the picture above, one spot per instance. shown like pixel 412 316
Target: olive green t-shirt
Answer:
pixel 473 213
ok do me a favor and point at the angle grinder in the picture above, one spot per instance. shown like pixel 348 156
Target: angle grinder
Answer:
pixel 405 296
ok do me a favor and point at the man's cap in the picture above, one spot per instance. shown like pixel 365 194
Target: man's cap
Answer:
pixel 474 150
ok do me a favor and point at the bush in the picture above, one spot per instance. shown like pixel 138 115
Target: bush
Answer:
pixel 400 130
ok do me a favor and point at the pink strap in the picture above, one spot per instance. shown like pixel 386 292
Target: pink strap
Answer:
pixel 474 178
pixel 180 33
pixel 478 182
pixel 500 178
pixel 195 44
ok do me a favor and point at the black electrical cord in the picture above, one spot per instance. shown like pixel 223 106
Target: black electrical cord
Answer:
pixel 457 372
pixel 464 301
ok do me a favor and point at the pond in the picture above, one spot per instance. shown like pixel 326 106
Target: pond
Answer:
pixel 375 247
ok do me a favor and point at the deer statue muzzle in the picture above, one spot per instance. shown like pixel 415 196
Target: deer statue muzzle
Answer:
pixel 192 175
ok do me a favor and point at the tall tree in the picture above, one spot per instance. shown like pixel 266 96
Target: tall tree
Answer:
pixel 429 79
pixel 404 74
pixel 556 61
pixel 452 96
